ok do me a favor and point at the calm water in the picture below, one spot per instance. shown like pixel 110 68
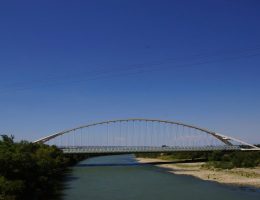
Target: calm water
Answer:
pixel 119 178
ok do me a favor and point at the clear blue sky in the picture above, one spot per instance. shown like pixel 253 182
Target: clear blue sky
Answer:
pixel 67 63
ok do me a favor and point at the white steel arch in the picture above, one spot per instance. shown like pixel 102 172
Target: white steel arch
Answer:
pixel 223 138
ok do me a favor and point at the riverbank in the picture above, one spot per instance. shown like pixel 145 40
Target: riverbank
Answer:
pixel 237 176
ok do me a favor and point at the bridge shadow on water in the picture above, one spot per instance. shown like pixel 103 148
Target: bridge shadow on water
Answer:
pixel 138 164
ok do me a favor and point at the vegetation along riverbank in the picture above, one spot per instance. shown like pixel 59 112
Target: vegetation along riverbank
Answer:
pixel 32 171
pixel 238 168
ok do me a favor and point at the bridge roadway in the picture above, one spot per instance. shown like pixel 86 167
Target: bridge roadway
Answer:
pixel 142 149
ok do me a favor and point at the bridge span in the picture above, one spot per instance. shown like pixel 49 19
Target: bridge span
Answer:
pixel 142 135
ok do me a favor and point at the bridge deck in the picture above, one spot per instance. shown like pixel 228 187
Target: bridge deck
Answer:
pixel 143 149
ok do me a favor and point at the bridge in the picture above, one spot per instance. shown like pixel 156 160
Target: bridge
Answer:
pixel 142 135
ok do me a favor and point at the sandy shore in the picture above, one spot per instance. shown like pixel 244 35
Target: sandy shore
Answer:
pixel 238 176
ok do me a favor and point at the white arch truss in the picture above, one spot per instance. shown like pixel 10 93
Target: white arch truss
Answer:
pixel 227 140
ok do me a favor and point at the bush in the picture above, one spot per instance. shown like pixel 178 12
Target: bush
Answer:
pixel 228 160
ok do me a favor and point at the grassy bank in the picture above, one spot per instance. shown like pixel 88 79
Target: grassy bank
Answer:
pixel 236 168
pixel 31 171
pixel 249 177
pixel 216 159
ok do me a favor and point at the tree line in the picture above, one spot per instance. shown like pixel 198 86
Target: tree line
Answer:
pixel 31 171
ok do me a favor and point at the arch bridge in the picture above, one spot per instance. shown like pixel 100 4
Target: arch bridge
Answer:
pixel 142 135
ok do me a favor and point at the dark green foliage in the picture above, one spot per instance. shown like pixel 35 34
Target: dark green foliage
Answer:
pixel 30 171
pixel 228 160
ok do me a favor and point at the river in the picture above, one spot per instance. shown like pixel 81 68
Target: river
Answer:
pixel 120 177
